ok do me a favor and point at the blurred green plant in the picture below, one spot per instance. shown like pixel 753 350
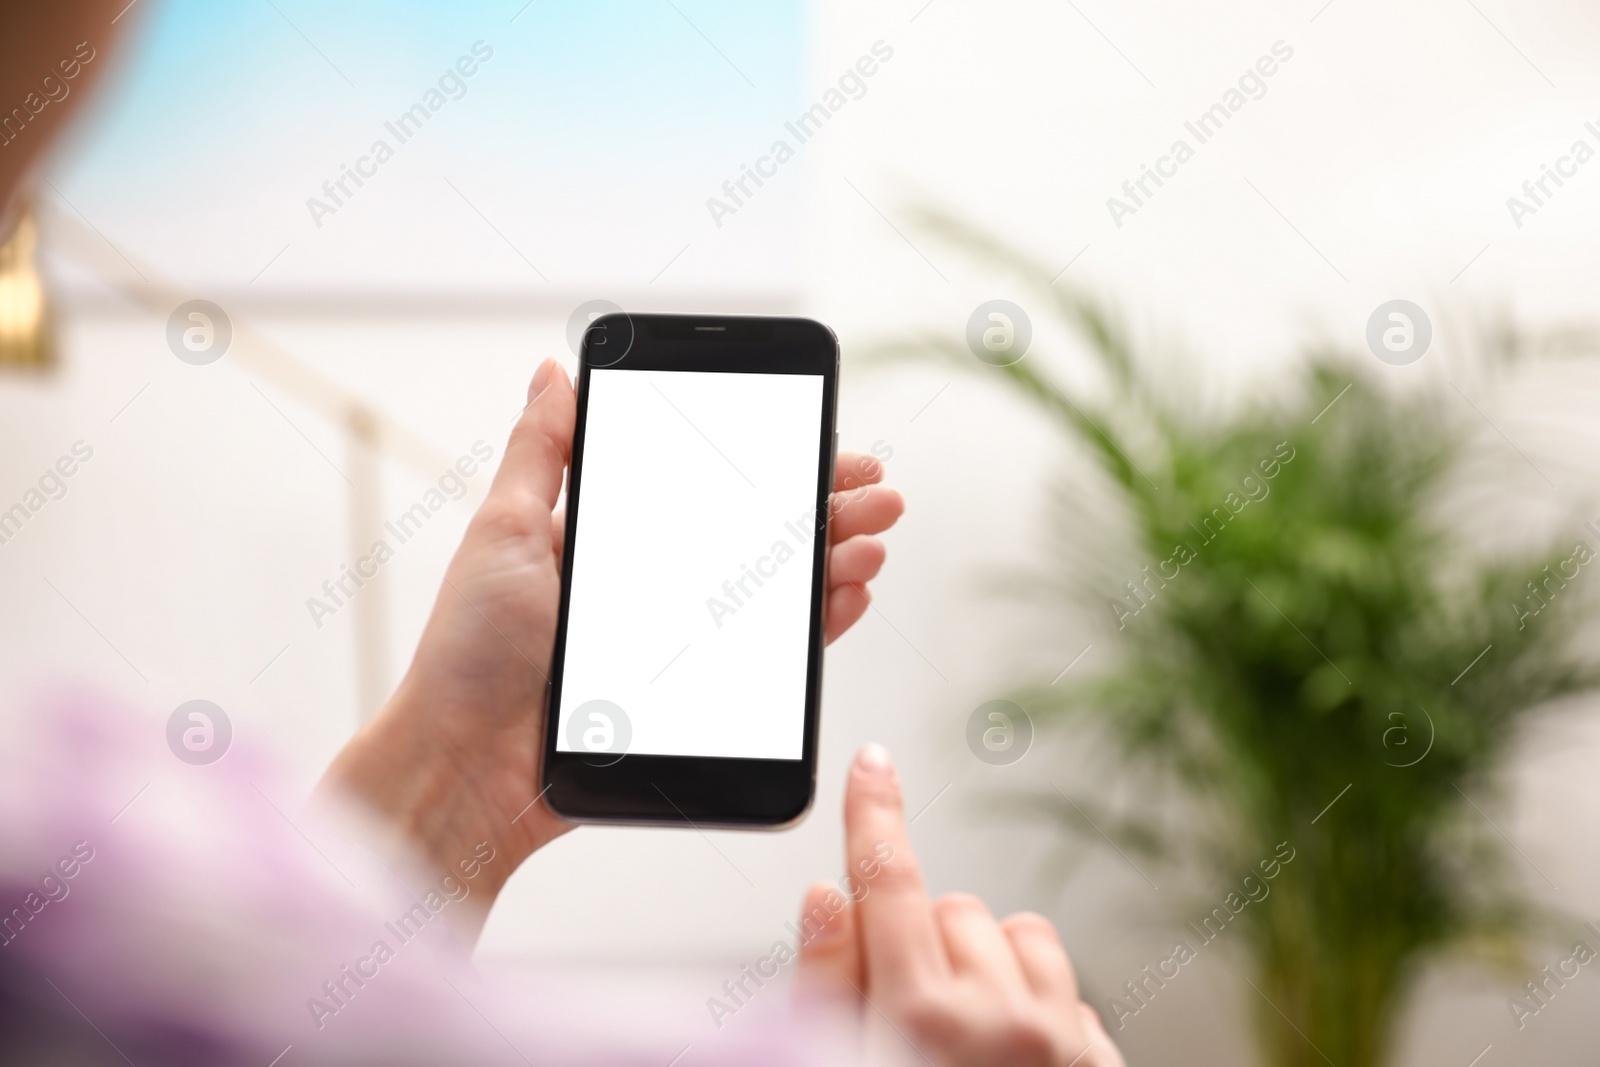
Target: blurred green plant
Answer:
pixel 1306 653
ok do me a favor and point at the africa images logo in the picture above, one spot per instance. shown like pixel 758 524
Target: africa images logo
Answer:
pixel 405 126
pixel 1251 85
pixel 851 85
pixel 199 732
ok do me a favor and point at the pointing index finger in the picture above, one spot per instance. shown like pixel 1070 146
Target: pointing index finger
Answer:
pixel 894 916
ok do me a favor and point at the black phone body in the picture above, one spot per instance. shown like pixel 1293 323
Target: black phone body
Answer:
pixel 687 667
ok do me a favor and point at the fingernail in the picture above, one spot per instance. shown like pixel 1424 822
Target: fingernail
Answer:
pixel 541 378
pixel 874 759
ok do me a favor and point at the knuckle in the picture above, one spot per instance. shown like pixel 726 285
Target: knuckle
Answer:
pixel 861 592
pixel 850 496
pixel 1030 922
pixel 901 874
pixel 878 792
pixel 870 548
pixel 926 1017
pixel 961 903
pixel 1023 1036
pixel 511 516
pixel 534 434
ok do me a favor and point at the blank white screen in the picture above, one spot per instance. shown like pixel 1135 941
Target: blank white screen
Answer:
pixel 692 564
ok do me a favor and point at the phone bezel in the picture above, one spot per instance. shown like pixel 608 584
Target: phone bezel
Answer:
pixel 695 790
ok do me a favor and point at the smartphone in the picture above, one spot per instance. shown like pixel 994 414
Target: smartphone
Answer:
pixel 687 666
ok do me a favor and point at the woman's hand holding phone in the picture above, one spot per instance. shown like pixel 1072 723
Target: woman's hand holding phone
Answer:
pixel 960 987
pixel 453 758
